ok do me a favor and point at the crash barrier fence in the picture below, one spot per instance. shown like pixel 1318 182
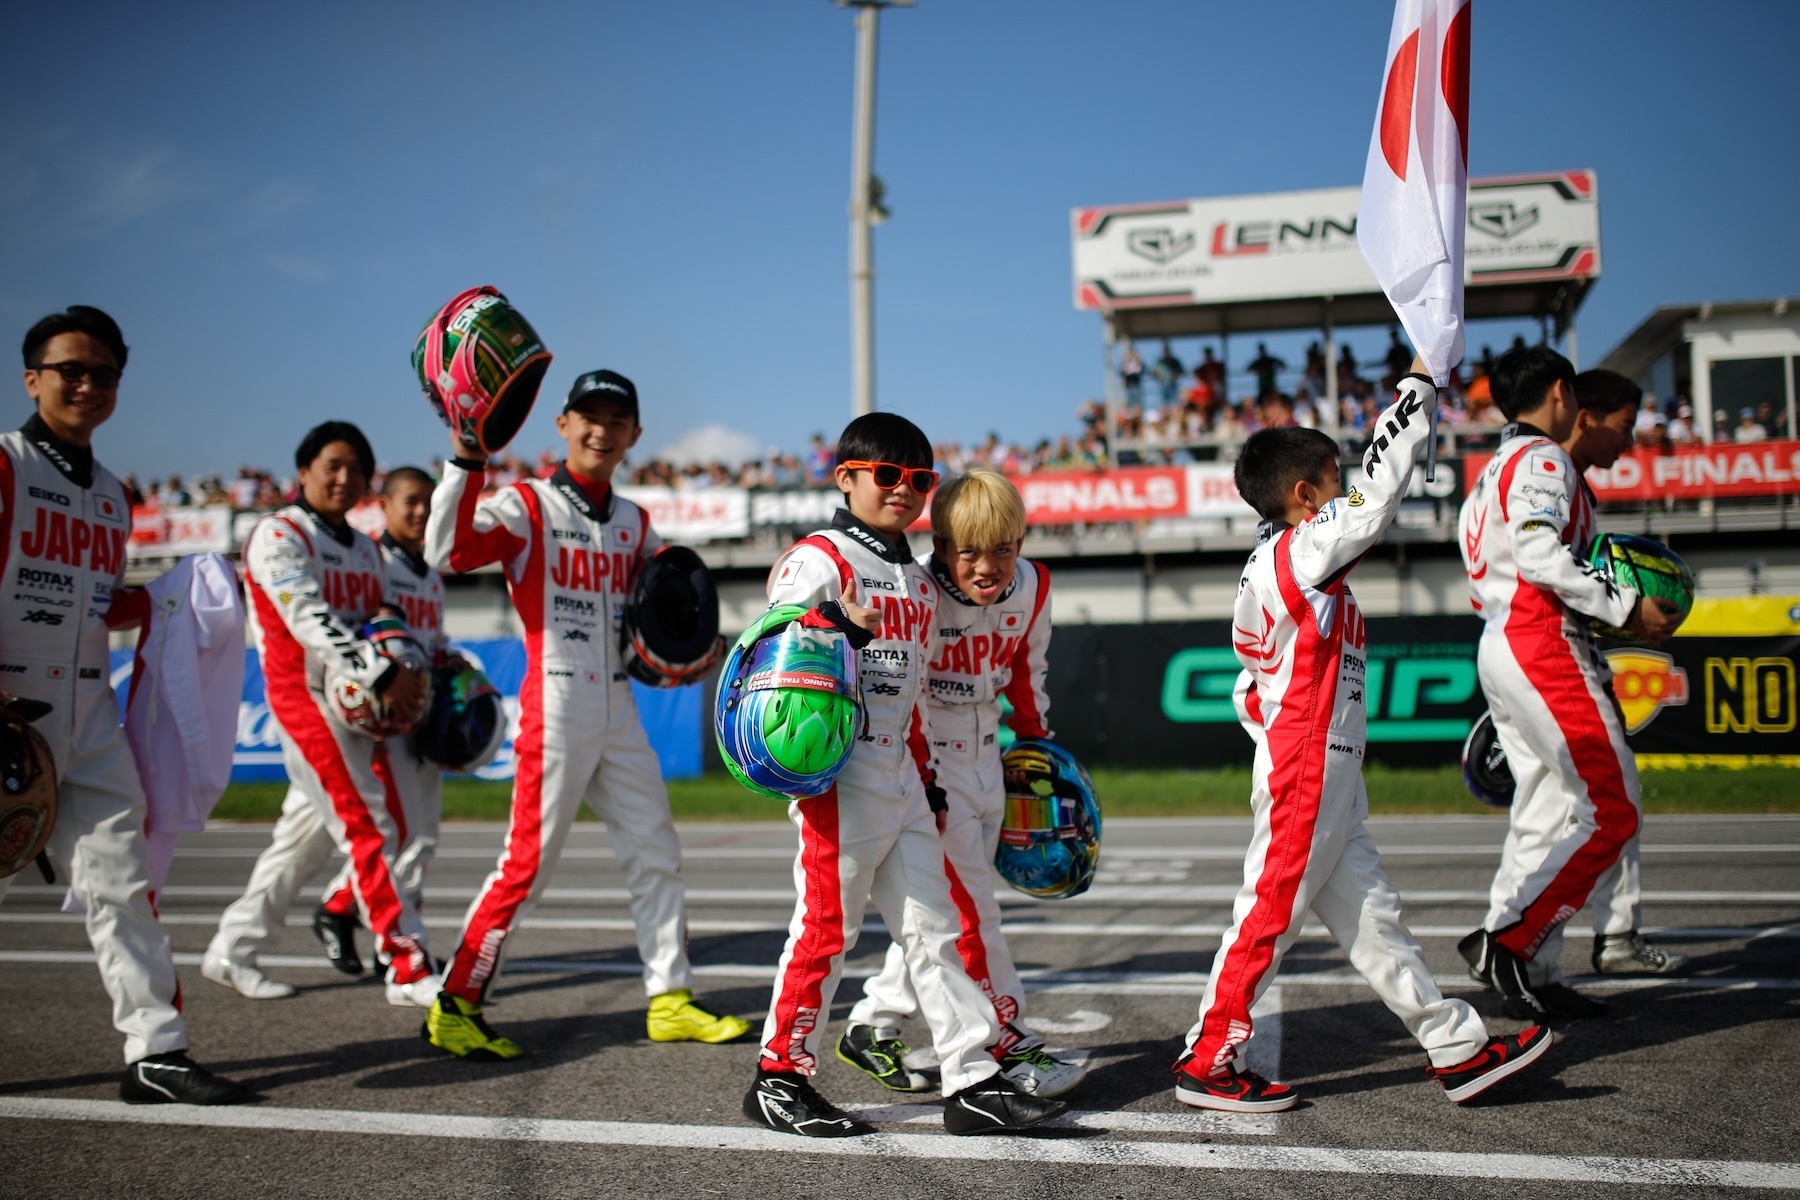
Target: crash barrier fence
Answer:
pixel 1067 499
pixel 1722 692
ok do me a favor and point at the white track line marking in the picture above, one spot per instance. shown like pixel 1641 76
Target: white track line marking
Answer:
pixel 1109 1152
pixel 1222 894
pixel 1022 928
pixel 1182 856
pixel 1124 983
pixel 1240 1124
pixel 1082 1020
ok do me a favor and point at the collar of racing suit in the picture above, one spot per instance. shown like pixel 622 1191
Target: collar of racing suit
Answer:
pixel 1519 429
pixel 342 534
pixel 1269 529
pixel 75 462
pixel 576 489
pixel 413 562
pixel 942 573
pixel 894 550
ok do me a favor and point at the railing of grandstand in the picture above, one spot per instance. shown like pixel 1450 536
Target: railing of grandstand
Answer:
pixel 1189 505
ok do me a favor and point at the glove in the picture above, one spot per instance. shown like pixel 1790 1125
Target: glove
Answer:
pixel 937 798
pixel 833 613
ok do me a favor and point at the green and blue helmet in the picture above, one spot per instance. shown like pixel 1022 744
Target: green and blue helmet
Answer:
pixel 789 707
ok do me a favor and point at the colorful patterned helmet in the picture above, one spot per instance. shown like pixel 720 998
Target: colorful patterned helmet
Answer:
pixel 466 724
pixel 27 788
pixel 1485 770
pixel 480 363
pixel 1643 566
pixel 670 632
pixel 1050 836
pixel 364 712
pixel 789 708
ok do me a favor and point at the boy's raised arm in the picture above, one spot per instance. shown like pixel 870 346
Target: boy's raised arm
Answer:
pixel 1344 530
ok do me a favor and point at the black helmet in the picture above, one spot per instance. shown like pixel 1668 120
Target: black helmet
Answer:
pixel 670 634
pixel 466 723
pixel 1485 770
pixel 27 788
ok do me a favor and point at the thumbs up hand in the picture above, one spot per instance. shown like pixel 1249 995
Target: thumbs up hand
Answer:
pixel 867 618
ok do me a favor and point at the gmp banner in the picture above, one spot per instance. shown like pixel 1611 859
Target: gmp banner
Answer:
pixel 673 718
pixel 1160 695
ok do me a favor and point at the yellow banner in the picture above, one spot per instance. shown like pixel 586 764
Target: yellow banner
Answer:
pixel 1701 762
pixel 1743 616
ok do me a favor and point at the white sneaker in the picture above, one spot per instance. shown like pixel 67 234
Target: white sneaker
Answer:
pixel 1037 1072
pixel 420 993
pixel 246 981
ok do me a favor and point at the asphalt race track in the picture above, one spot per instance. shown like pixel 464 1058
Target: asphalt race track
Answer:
pixel 1686 1089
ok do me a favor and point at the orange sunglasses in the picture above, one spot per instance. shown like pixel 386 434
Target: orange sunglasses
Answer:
pixel 888 476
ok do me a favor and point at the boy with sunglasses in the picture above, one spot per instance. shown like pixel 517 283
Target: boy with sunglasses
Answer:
pixel 876 831
pixel 993 641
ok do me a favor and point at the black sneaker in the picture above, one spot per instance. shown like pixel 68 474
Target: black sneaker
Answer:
pixel 1473 949
pixel 1510 976
pixel 1558 1001
pixel 1502 1056
pixel 177 1079
pixel 337 932
pixel 880 1058
pixel 788 1104
pixel 996 1105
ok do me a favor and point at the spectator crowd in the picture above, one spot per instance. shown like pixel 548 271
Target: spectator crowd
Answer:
pixel 1170 414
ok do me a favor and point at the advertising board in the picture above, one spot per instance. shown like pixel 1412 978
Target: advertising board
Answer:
pixel 1160 695
pixel 1230 249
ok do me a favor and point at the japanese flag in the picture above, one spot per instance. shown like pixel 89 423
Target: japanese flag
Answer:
pixel 1415 192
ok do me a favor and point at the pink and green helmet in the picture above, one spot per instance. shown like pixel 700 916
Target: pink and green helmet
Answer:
pixel 480 363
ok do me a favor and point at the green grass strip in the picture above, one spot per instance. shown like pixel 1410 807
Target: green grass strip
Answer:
pixel 1221 792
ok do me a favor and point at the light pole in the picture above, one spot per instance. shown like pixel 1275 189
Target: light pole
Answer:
pixel 865 205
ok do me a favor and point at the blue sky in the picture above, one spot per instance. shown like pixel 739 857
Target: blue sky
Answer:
pixel 272 199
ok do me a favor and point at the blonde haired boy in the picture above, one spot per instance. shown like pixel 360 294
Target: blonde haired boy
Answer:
pixel 993 631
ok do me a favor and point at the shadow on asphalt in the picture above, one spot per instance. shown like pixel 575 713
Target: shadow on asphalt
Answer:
pixel 24 1087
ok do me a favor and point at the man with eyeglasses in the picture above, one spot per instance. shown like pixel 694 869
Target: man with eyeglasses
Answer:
pixel 64 522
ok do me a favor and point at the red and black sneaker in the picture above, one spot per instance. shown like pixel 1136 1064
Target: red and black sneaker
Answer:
pixel 1232 1090
pixel 1502 1056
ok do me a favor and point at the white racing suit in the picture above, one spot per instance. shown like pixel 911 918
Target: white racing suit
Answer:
pixel 569 563
pixel 983 653
pixel 412 790
pixel 62 557
pixel 873 834
pixel 1301 639
pixel 1576 799
pixel 311 588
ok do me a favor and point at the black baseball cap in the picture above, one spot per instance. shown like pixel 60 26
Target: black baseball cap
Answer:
pixel 608 385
